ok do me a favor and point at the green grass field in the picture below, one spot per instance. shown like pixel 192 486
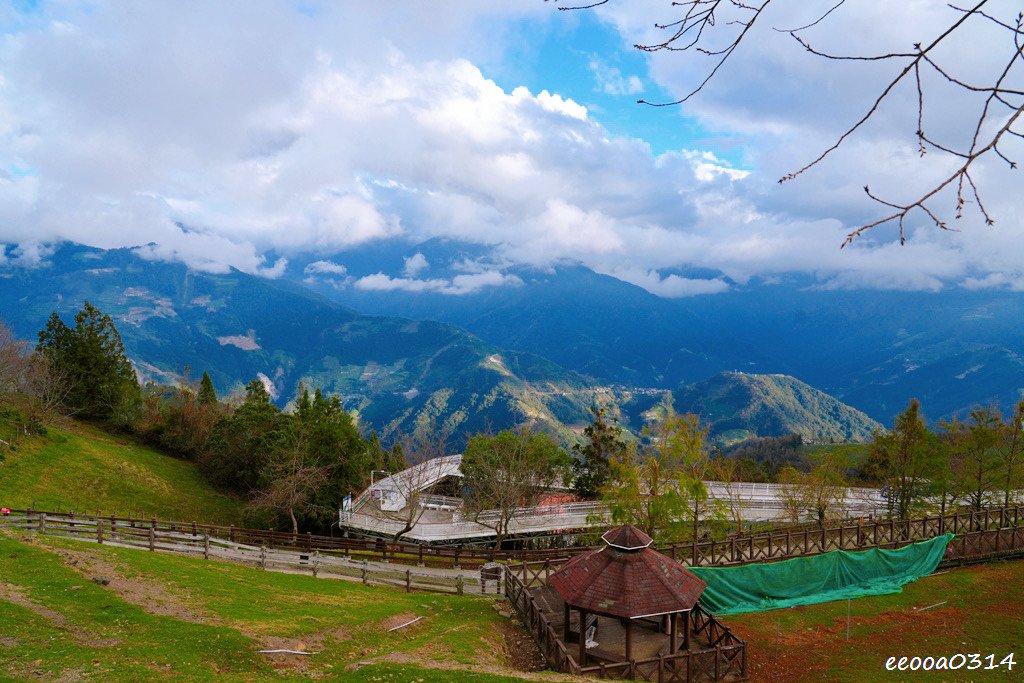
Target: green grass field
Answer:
pixel 164 616
pixel 84 469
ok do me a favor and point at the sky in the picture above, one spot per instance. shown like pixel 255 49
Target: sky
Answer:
pixel 260 134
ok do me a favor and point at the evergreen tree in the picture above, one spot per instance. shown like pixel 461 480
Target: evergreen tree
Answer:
pixel 590 468
pixel 332 444
pixel 102 382
pixel 662 488
pixel 974 457
pixel 244 442
pixel 207 394
pixel 1011 454
pixel 904 463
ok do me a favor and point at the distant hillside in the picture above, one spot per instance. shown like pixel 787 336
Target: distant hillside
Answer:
pixel 392 372
pixel 874 349
pixel 737 406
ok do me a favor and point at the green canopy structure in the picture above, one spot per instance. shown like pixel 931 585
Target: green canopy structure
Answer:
pixel 835 575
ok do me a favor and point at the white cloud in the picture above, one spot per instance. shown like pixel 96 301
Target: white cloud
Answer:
pixel 611 81
pixel 671 286
pixel 1013 282
pixel 295 134
pixel 458 285
pixel 415 264
pixel 31 254
pixel 324 268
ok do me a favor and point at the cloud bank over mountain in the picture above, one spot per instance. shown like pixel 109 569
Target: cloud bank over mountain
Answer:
pixel 240 135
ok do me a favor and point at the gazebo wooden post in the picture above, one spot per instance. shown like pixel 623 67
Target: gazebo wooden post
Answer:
pixel 565 627
pixel 629 640
pixel 672 628
pixel 583 637
pixel 686 630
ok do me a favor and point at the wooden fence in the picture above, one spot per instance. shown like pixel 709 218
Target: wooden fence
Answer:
pixel 725 657
pixel 316 563
pixel 781 545
pixel 762 547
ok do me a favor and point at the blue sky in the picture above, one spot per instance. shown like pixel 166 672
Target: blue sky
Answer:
pixel 249 133
pixel 584 58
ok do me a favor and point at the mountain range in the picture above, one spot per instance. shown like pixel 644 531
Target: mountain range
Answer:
pixel 393 373
pixel 873 349
pixel 542 349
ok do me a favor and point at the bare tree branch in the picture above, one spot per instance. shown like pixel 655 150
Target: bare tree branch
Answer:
pixel 704 22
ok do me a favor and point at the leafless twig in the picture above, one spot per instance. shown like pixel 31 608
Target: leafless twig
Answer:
pixel 703 22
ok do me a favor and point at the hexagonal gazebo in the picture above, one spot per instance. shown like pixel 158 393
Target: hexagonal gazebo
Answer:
pixel 626 580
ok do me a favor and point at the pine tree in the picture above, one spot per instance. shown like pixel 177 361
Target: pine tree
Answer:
pixel 903 462
pixel 102 382
pixel 604 442
pixel 207 394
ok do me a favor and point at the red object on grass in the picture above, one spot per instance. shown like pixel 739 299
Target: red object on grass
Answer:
pixel 5 511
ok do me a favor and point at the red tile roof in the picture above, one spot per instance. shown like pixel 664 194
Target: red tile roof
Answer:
pixel 627 583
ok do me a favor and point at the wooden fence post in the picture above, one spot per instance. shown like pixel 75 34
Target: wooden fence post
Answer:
pixel 42 522
pixel 99 530
pixel 458 584
pixel 263 557
pixel 408 580
pixel 152 539
pixel 316 562
pixel 364 572
pixel 206 545
pixel 231 533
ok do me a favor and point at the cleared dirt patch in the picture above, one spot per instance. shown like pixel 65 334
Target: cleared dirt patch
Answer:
pixel 407 658
pixel 314 642
pixel 153 597
pixel 399 619
pixel 521 652
pixel 16 594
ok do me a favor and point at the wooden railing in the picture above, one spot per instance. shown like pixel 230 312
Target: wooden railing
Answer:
pixel 781 545
pixel 979 537
pixel 197 542
pixel 761 547
pixel 724 658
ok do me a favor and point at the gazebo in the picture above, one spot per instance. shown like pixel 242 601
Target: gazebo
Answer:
pixel 627 580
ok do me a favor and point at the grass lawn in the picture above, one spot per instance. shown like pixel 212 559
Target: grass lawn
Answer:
pixel 164 616
pixel 982 614
pixel 84 469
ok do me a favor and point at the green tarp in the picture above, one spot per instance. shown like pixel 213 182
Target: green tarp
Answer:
pixel 834 575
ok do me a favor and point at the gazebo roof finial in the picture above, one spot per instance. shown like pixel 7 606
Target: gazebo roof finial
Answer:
pixel 626 537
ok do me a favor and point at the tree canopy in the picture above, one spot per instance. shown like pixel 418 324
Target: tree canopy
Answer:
pixel 101 380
